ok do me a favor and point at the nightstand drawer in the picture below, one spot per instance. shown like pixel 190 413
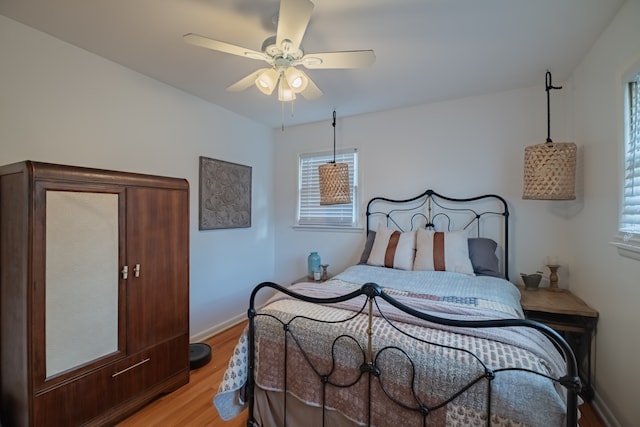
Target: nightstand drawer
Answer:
pixel 563 322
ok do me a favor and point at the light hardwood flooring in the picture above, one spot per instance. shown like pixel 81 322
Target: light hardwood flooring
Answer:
pixel 191 405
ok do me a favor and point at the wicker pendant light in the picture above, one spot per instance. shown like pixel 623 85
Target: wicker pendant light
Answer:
pixel 334 178
pixel 550 168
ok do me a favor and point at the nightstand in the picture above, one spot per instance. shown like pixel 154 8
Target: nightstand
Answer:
pixel 572 318
pixel 307 279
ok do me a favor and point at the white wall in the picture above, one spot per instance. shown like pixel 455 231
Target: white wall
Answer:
pixel 460 148
pixel 61 104
pixel 608 281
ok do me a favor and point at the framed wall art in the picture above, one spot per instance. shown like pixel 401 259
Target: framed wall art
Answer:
pixel 225 195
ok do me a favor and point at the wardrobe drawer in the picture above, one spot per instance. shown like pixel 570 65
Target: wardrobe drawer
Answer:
pixel 150 367
pixel 76 401
pixel 88 396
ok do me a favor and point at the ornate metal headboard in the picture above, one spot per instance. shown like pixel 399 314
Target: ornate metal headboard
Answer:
pixel 481 216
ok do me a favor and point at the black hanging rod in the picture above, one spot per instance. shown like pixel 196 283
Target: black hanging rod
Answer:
pixel 549 85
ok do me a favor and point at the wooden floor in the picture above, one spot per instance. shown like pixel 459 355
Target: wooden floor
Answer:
pixel 191 405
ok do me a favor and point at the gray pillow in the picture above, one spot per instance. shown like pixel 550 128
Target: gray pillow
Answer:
pixel 367 247
pixel 482 252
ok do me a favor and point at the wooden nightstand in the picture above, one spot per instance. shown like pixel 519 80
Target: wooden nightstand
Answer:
pixel 572 318
pixel 307 279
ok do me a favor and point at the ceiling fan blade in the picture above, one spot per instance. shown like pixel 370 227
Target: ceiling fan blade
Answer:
pixel 198 40
pixel 312 91
pixel 293 19
pixel 245 82
pixel 348 59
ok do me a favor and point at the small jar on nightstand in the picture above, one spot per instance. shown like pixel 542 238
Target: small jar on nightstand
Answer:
pixel 318 276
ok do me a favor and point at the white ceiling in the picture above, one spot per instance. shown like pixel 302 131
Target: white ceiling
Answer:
pixel 426 50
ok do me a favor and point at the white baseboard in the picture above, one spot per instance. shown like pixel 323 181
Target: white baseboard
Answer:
pixel 208 333
pixel 604 412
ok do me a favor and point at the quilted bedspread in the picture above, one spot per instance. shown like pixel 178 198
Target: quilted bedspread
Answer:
pixel 518 398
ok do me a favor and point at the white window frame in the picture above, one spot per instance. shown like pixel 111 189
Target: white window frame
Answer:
pixel 627 240
pixel 309 213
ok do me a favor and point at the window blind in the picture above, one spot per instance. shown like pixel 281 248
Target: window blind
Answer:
pixel 310 212
pixel 630 219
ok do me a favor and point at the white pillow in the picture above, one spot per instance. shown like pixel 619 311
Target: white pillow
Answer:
pixel 442 251
pixel 393 249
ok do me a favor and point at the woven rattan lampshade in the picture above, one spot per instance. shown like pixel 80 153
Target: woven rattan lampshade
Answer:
pixel 550 168
pixel 334 184
pixel 550 171
pixel 334 178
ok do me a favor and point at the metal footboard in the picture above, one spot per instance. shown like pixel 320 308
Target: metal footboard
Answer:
pixel 371 371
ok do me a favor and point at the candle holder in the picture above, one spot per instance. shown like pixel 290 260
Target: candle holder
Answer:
pixel 325 275
pixel 553 278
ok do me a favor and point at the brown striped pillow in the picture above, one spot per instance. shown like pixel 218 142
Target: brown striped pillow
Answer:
pixel 442 251
pixel 393 249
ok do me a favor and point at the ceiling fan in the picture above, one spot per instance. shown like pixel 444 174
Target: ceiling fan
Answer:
pixel 283 53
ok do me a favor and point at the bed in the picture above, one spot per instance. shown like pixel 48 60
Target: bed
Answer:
pixel 425 330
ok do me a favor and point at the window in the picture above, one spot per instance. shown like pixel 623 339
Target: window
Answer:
pixel 310 212
pixel 628 240
pixel 630 221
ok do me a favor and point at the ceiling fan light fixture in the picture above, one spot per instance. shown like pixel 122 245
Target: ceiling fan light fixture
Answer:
pixel 283 53
pixel 296 83
pixel 296 79
pixel 285 93
pixel 267 81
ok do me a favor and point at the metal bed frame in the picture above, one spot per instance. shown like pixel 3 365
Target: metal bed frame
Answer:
pixel 370 369
pixel 431 210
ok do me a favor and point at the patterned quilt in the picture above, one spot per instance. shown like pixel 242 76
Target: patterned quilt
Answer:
pixel 427 367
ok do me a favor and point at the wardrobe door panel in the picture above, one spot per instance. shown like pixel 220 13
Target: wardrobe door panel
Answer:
pixel 82 278
pixel 158 256
pixel 76 279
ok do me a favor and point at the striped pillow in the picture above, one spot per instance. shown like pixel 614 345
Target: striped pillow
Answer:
pixel 442 251
pixel 393 249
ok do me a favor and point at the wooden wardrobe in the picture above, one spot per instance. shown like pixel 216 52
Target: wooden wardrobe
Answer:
pixel 94 292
